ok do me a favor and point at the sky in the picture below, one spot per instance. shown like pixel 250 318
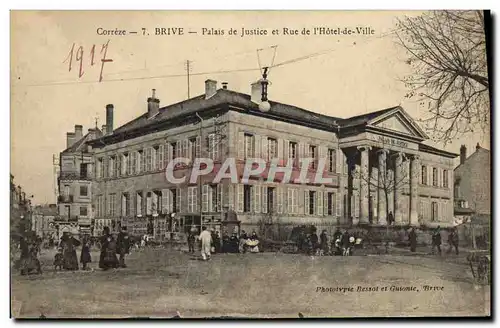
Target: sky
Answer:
pixel 354 74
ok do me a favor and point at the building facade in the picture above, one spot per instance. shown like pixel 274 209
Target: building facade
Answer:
pixel 74 199
pixel 44 220
pixel 378 164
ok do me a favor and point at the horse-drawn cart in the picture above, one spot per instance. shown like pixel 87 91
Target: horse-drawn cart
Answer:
pixel 480 264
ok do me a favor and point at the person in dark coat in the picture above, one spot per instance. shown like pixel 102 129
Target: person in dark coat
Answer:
pixel 323 243
pixel 453 240
pixel 85 256
pixel 225 242
pixel 191 239
pixel 216 240
pixel 412 237
pixel 123 245
pixel 108 257
pixel 346 243
pixel 436 240
pixel 390 219
pixel 68 244
pixel 314 242
pixel 234 243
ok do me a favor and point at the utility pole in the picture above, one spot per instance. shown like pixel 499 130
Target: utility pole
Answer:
pixel 188 69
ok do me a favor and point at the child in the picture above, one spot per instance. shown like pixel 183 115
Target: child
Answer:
pixel 85 255
pixel 58 259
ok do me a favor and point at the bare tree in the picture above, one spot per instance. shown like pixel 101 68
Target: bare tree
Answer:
pixel 447 53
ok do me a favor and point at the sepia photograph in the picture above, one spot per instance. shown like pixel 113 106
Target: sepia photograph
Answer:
pixel 250 164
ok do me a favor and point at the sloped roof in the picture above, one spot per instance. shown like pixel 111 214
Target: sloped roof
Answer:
pixel 434 150
pixel 364 118
pixel 79 145
pixel 224 96
pixel 474 154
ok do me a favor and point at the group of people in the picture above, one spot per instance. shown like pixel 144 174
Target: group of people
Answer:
pixel 211 242
pixel 342 243
pixel 436 240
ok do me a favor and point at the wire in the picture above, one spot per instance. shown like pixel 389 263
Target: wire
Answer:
pixel 290 61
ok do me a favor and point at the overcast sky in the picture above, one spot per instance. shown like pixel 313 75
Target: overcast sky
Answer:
pixel 360 74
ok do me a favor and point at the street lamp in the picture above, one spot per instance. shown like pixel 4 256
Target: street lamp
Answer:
pixel 264 106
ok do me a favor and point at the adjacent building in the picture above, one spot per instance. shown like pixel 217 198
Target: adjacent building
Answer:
pixel 44 221
pixel 378 162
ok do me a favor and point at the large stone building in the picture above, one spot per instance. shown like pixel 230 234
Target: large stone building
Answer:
pixel 378 164
pixel 44 221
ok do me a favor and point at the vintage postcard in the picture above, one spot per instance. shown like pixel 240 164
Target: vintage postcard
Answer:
pixel 250 164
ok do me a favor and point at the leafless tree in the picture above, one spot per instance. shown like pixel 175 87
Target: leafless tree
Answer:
pixel 447 54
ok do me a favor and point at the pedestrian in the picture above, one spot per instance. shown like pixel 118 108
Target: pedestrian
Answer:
pixel 346 243
pixel 108 259
pixel 191 239
pixel 323 243
pixel 68 244
pixel 123 245
pixel 206 241
pixel 242 245
pixel 453 240
pixel 412 237
pixel 390 218
pixel 314 243
pixel 85 256
pixel 436 240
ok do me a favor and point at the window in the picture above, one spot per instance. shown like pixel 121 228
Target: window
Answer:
pixel 126 204
pixel 272 148
pixel 434 177
pixel 141 161
pixel 270 199
pixel 132 163
pixel 173 147
pixel 99 168
pixel 192 199
pixel 216 198
pixel 156 203
pixel 434 211
pixel 125 163
pixel 330 203
pixel 445 178
pixel 247 196
pixel 310 202
pixel 83 210
pixel 84 191
pixel 149 203
pixel 424 174
pixel 293 201
pixel 111 204
pixel 100 205
pixel 105 167
pixel 111 167
pixel 84 171
pixel 118 169
pixel 249 146
pixel 332 161
pixel 292 151
pixel 313 153
pixel 192 149
pixel 138 207
pixel 213 146
pixel 160 158
pixel 68 210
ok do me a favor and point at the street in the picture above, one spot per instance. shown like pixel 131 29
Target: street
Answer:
pixel 160 283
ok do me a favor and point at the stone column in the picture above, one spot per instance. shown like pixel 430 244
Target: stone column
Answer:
pixel 351 165
pixel 382 184
pixel 414 180
pixel 398 187
pixel 364 190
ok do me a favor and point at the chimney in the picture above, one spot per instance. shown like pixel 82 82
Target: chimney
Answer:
pixel 104 130
pixel 153 104
pixel 478 147
pixel 109 118
pixel 78 132
pixel 70 139
pixel 256 92
pixel 224 85
pixel 210 88
pixel 463 154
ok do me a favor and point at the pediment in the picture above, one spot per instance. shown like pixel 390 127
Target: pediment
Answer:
pixel 398 121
